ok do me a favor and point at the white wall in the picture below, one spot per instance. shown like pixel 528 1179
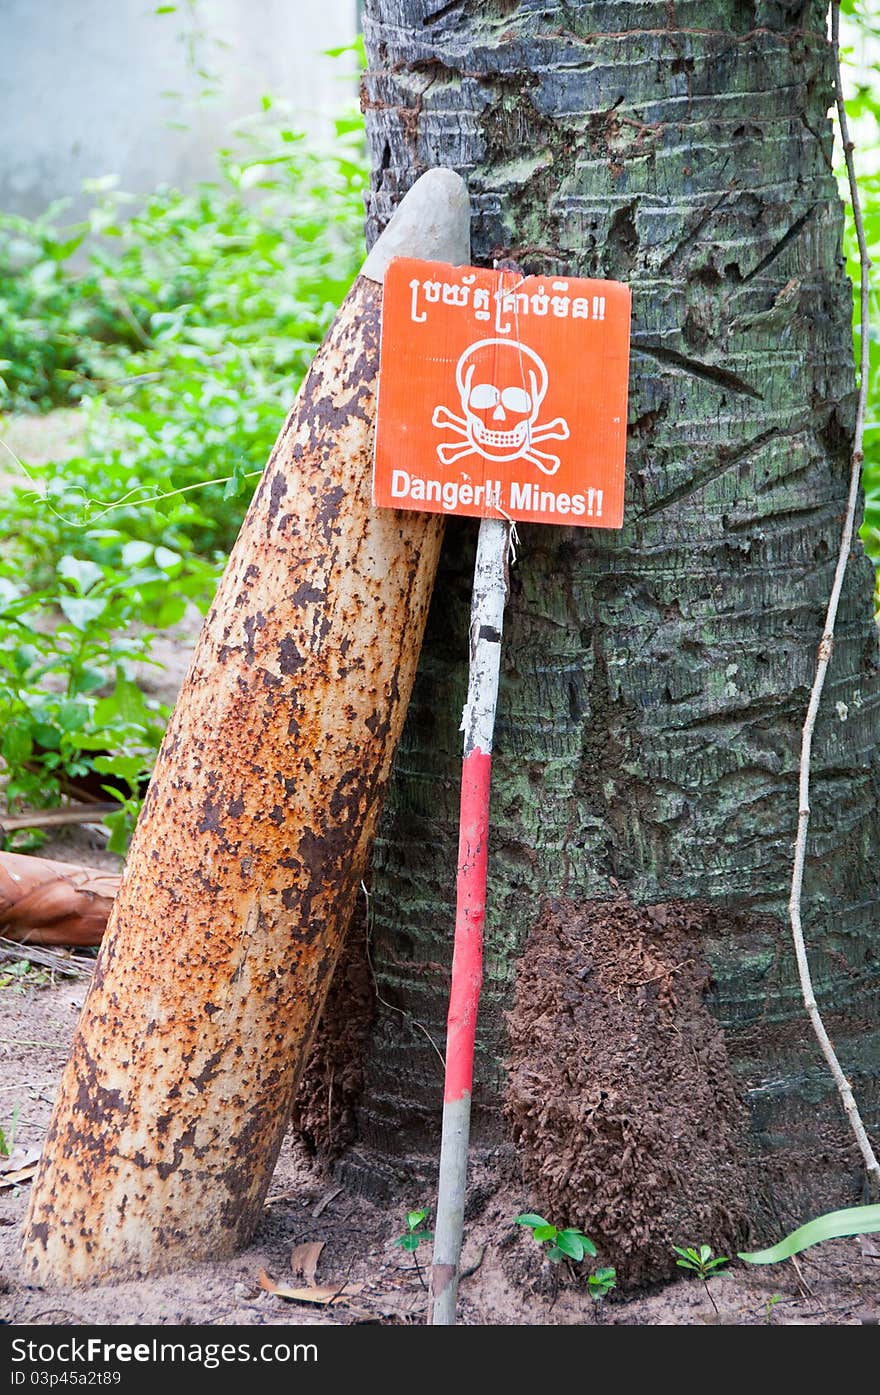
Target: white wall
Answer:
pixel 82 82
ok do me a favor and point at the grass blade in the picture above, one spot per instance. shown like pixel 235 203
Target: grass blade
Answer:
pixel 855 1220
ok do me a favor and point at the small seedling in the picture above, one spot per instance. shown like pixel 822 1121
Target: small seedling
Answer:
pixel 7 1137
pixel 563 1244
pixel 703 1263
pixel 415 1232
pixel 770 1305
pixel 601 1283
pixel 413 1236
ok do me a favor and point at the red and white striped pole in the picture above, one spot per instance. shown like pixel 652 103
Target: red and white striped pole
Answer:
pixel 478 724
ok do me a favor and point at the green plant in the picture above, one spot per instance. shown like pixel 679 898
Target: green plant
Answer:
pixel 69 709
pixel 22 974
pixel 51 326
pixel 869 189
pixel 703 1263
pixel 562 1244
pixel 859 72
pixel 7 1136
pixel 601 1283
pixel 195 320
pixel 183 329
pixel 700 1262
pixel 415 1235
pixel 770 1305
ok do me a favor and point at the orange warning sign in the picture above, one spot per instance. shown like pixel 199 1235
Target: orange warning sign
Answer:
pixel 502 395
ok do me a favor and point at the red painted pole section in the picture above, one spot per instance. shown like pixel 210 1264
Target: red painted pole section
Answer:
pixel 478 725
pixel 470 916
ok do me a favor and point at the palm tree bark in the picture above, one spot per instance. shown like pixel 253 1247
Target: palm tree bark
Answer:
pixel 655 680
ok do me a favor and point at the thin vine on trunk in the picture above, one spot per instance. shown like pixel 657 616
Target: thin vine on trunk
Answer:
pixel 826 646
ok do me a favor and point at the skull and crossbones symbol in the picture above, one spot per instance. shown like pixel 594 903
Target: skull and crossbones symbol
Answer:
pixel 501 385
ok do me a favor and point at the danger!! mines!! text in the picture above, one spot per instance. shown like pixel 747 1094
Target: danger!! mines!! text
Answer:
pixel 450 494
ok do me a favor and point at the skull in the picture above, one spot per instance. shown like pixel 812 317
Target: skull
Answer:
pixel 501 385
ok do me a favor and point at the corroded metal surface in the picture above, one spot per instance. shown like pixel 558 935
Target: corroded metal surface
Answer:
pixel 248 853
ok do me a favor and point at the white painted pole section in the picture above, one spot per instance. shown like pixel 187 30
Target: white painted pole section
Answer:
pixel 478 724
pixel 487 622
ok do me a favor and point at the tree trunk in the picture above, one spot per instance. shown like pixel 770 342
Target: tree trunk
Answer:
pixel 654 680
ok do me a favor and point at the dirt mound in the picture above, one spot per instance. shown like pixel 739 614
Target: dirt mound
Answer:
pixel 626 1117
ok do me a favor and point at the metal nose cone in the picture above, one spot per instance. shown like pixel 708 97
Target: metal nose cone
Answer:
pixel 432 222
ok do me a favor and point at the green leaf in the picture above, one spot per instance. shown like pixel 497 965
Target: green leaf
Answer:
pixel 128 768
pixel 72 714
pixel 7 1140
pixel 172 609
pixel 120 826
pixel 570 1243
pixel 136 552
pixel 236 483
pixel 82 611
pixel 17 744
pixel 545 1232
pixel 601 1283
pixel 83 573
pixel 854 1220
pixel 60 251
pixel 414 1219
pixel 88 680
pixel 166 560
pixel 47 736
pixel 125 704
pixel 529 1218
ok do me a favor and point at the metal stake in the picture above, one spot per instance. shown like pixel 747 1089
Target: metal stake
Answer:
pixel 478 723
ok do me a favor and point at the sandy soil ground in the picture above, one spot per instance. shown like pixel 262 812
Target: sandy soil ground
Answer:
pixel 510 1283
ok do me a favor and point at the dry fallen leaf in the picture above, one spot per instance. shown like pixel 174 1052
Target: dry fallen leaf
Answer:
pixel 304 1260
pixel 15 1179
pixel 324 1295
pixel 19 1160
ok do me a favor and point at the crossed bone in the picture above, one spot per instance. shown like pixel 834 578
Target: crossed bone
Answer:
pixel 450 452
